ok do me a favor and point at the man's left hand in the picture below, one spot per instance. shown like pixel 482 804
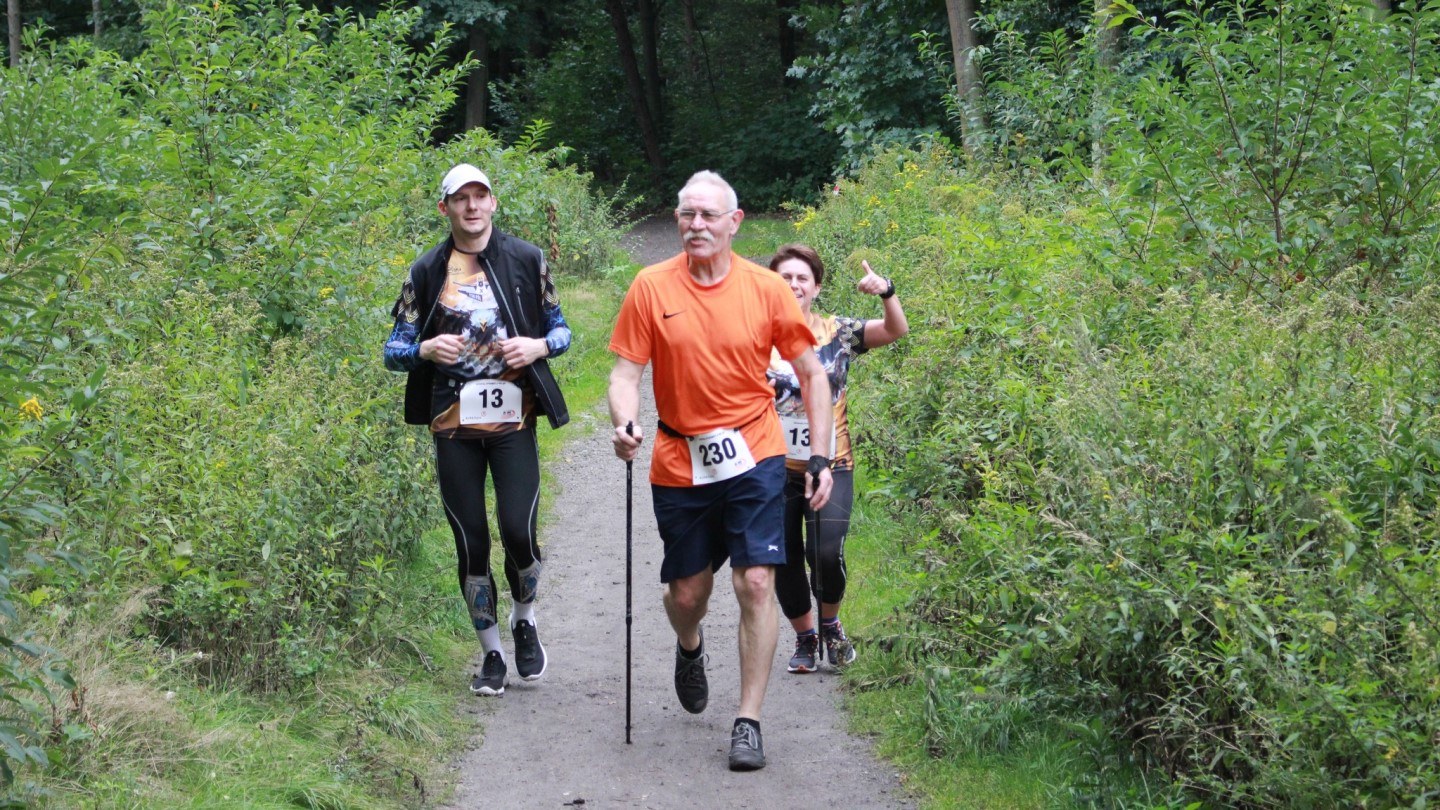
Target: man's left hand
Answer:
pixel 520 352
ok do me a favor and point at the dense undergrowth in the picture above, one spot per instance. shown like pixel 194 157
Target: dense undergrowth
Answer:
pixel 1170 439
pixel 206 487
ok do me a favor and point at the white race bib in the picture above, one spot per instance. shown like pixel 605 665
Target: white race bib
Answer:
pixel 484 402
pixel 797 436
pixel 718 455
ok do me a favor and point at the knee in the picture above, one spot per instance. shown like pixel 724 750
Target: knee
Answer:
pixel 755 583
pixel 686 598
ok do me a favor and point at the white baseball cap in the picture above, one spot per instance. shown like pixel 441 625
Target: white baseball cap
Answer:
pixel 462 175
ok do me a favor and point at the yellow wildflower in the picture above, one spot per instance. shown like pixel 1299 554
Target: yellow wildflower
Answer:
pixel 873 201
pixel 326 292
pixel 864 223
pixel 892 227
pixel 32 409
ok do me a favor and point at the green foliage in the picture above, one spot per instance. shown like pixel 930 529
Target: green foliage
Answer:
pixel 1202 522
pixel 1292 144
pixel 726 106
pixel 869 81
pixel 200 248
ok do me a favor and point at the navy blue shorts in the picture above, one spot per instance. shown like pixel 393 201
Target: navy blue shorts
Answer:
pixel 742 519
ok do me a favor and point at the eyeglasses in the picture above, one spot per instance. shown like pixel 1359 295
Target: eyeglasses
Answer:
pixel 686 215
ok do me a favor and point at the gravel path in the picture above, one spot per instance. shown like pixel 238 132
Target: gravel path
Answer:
pixel 560 741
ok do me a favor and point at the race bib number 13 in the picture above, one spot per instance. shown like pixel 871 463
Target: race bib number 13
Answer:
pixel 718 456
pixel 486 402
pixel 797 436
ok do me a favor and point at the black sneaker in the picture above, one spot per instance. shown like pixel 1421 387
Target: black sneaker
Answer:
pixel 746 751
pixel 491 680
pixel 690 684
pixel 529 652
pixel 806 647
pixel 837 645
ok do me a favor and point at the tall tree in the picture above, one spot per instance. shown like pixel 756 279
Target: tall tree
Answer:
pixel 650 48
pixel 649 133
pixel 477 84
pixel 12 12
pixel 785 9
pixel 961 15
pixel 95 17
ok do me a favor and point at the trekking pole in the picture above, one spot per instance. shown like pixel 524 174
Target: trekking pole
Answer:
pixel 819 603
pixel 629 617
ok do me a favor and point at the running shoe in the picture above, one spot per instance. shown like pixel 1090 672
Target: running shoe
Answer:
pixel 807 645
pixel 529 652
pixel 837 645
pixel 747 753
pixel 690 684
pixel 491 680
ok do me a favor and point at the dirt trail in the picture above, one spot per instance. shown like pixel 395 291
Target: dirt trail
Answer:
pixel 560 741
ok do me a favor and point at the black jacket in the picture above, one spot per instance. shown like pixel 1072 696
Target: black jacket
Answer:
pixel 513 267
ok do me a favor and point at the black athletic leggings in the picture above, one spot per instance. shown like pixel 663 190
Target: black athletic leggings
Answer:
pixel 825 529
pixel 514 459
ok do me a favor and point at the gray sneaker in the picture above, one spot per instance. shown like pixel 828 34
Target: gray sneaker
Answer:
pixel 807 645
pixel 690 684
pixel 746 751
pixel 491 680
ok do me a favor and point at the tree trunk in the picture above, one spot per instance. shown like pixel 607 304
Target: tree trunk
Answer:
pixel 477 86
pixel 692 47
pixel 636 88
pixel 1107 56
pixel 12 13
pixel 961 14
pixel 650 47
pixel 1382 9
pixel 95 15
pixel 788 40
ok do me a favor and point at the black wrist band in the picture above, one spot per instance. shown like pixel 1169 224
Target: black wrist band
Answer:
pixel 889 291
pixel 816 464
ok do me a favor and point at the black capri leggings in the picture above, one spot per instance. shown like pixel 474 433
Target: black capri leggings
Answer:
pixel 826 530
pixel 514 459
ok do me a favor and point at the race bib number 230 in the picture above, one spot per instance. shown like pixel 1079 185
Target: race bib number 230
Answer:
pixel 718 456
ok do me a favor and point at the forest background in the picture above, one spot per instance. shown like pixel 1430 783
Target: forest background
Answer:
pixel 1163 439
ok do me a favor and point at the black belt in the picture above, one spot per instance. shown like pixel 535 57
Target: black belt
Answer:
pixel 675 434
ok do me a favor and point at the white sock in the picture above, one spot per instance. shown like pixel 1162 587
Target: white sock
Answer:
pixel 490 640
pixel 523 612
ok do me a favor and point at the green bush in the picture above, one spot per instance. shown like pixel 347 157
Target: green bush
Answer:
pixel 1204 523
pixel 201 246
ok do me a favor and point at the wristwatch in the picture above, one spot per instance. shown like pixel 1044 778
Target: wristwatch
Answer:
pixel 889 290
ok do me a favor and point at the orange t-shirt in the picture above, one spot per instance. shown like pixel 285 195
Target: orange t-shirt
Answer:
pixel 709 348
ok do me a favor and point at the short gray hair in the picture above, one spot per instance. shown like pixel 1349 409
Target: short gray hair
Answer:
pixel 707 177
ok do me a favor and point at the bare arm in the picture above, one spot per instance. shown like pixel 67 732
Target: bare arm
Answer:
pixel 820 412
pixel 624 398
pixel 894 326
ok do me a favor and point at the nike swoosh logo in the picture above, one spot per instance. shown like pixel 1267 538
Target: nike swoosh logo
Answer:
pixel 774 548
pixel 669 315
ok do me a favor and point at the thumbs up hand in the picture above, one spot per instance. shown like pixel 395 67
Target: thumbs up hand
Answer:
pixel 871 284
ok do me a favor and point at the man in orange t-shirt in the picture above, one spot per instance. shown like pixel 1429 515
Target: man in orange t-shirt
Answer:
pixel 707 320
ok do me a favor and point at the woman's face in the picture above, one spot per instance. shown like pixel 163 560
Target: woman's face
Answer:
pixel 798 275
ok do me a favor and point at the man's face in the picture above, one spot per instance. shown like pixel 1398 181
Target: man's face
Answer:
pixel 469 210
pixel 707 224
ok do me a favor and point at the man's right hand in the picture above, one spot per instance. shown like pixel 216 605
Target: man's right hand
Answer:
pixel 627 446
pixel 442 349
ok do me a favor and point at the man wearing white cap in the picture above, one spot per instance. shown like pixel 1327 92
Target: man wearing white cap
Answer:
pixel 475 322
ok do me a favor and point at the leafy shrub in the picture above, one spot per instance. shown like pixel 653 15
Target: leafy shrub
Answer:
pixel 1201 520
pixel 1291 144
pixel 201 247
